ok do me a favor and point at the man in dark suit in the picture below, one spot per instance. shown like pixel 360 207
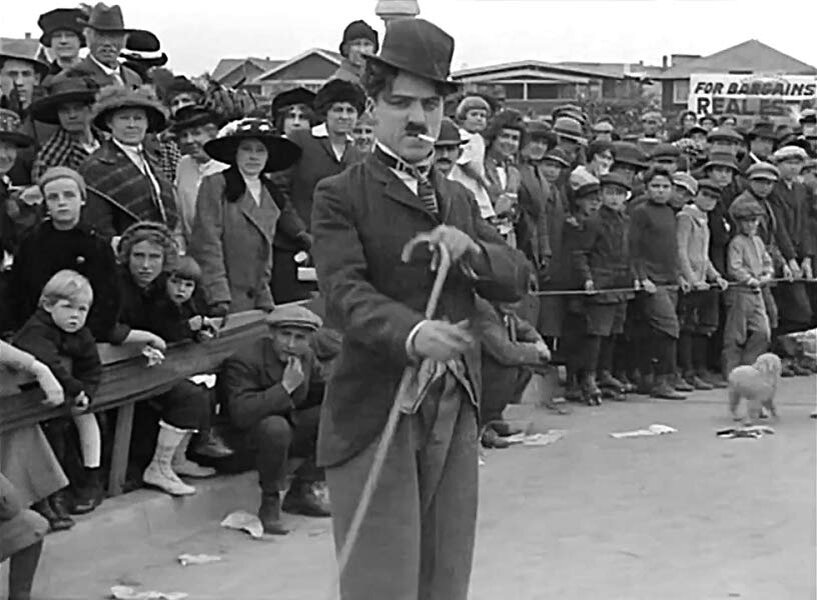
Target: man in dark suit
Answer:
pixel 105 34
pixel 417 537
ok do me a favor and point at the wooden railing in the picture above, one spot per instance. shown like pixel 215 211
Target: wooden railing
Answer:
pixel 127 379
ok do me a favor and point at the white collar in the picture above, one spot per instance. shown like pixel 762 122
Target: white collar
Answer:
pixel 127 148
pixel 105 69
pixel 320 131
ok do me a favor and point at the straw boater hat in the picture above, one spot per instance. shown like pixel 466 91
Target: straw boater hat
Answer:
pixel 68 86
pixel 418 47
pixel 60 19
pixel 282 152
pixel 10 129
pixel 113 98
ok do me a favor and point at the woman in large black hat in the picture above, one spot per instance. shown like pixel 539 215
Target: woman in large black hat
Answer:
pixel 62 34
pixel 237 214
pixel 68 104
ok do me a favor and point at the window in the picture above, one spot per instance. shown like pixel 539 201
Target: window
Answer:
pixel 680 91
pixel 542 91
pixel 514 91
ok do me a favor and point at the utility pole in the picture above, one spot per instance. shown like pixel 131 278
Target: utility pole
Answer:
pixel 388 10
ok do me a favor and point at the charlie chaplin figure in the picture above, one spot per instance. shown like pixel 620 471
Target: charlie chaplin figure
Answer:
pixel 417 539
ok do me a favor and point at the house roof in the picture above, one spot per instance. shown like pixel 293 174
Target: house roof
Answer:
pixel 226 66
pixel 535 65
pixel 333 57
pixel 627 69
pixel 750 56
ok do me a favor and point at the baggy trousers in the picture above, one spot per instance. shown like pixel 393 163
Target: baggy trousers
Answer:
pixel 417 540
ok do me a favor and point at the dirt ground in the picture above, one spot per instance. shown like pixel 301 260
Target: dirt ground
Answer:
pixel 685 516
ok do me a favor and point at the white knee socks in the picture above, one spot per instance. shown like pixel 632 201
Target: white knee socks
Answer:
pixel 90 439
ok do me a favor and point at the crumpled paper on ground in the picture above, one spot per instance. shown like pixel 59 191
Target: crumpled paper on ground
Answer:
pixel 124 592
pixel 197 559
pixel 652 430
pixel 750 431
pixel 208 380
pixel 241 520
pixel 537 439
pixel 154 355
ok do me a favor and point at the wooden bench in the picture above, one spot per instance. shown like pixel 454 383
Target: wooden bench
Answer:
pixel 127 379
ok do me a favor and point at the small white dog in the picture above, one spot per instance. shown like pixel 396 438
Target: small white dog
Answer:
pixel 756 383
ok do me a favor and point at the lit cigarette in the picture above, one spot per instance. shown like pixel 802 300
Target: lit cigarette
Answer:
pixel 425 138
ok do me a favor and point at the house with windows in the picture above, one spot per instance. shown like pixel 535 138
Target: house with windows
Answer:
pixel 747 58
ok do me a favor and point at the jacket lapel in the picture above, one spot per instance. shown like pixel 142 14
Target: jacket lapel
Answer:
pixel 393 188
pixel 262 217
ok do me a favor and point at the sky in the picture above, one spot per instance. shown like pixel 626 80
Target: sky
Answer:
pixel 197 33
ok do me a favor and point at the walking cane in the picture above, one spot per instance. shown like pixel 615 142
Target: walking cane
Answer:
pixel 403 403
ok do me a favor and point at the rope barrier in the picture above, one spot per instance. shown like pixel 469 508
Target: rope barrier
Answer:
pixel 674 287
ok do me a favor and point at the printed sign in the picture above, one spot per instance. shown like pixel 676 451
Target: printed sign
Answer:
pixel 751 95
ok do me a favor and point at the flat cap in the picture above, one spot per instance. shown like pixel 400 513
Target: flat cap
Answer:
pixel 615 179
pixel 603 127
pixel 294 315
pixel 586 188
pixel 745 207
pixel 727 134
pixel 722 159
pixel 708 184
pixel 665 151
pixel 763 170
pixel 789 153
pixel 629 153
pixel 686 181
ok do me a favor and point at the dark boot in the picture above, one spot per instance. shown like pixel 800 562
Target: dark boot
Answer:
pixel 679 384
pixel 665 390
pixel 629 386
pixel 573 391
pixel 504 429
pixel 491 439
pixel 716 380
pixel 606 380
pixel 59 505
pixel 590 390
pixel 90 495
pixel 646 383
pixel 211 445
pixel 270 514
pixel 697 383
pixel 305 498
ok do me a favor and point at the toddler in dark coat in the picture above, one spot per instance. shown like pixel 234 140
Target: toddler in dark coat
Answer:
pixel 56 334
pixel 178 317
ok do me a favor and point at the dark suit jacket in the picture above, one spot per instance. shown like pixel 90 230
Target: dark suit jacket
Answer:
pixel 131 77
pixel 532 228
pixel 110 171
pixel 361 220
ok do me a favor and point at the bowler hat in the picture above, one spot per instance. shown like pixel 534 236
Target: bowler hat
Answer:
pixel 359 30
pixel 112 98
pixel 294 315
pixel 60 19
pixel 282 153
pixel 721 159
pixel 449 134
pixel 10 129
pixel 105 18
pixel 420 48
pixel 18 50
pixel 68 86
pixel 808 116
pixel 629 153
pixel 192 116
pixel 298 95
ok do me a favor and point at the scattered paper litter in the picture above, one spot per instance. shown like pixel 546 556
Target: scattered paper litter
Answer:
pixel 537 439
pixel 124 592
pixel 750 431
pixel 652 430
pixel 209 381
pixel 197 559
pixel 241 520
pixel 154 355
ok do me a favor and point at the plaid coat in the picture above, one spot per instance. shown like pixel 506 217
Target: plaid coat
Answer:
pixel 61 150
pixel 119 194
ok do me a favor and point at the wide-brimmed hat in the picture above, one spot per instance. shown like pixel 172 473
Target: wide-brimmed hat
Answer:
pixel 720 159
pixel 11 129
pixel 282 152
pixel 105 18
pixel 19 50
pixel 141 40
pixel 112 98
pixel 192 116
pixel 298 95
pixel 68 86
pixel 60 19
pixel 420 48
pixel 449 135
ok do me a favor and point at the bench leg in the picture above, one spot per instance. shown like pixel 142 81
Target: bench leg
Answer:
pixel 121 447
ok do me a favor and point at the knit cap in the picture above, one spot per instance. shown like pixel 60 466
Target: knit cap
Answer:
pixel 54 173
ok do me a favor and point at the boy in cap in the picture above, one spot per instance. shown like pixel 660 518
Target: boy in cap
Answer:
pixel 602 261
pixel 685 188
pixel 749 306
pixel 359 40
pixel 268 391
pixel 416 539
pixel 654 249
pixel 472 115
pixel 698 305
pixel 665 156
pixel 761 140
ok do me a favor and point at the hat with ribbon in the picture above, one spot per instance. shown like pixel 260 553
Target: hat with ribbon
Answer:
pixel 60 19
pixel 11 129
pixel 66 87
pixel 294 315
pixel 281 153
pixel 449 135
pixel 105 18
pixel 420 48
pixel 113 98
pixel 298 95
